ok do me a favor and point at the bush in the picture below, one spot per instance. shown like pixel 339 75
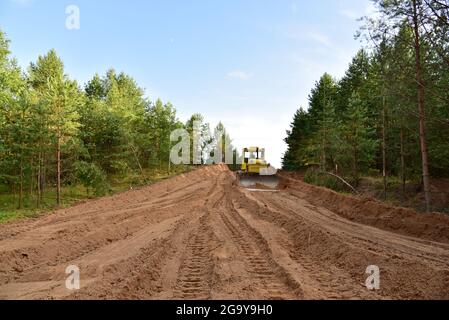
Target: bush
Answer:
pixel 91 176
pixel 120 167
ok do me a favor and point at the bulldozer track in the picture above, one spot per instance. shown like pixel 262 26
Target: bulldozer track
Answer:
pixel 196 271
pixel 260 265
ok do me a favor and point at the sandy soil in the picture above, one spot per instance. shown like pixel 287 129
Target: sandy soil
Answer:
pixel 200 236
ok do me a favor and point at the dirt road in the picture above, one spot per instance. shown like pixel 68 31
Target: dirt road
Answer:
pixel 200 236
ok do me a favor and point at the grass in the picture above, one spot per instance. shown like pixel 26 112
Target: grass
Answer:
pixel 71 195
pixel 9 203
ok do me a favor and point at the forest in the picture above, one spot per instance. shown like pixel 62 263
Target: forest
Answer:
pixel 61 142
pixel 388 116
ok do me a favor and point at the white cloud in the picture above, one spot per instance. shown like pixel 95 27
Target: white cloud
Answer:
pixel 239 74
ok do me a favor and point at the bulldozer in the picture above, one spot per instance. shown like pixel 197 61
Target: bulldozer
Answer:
pixel 256 173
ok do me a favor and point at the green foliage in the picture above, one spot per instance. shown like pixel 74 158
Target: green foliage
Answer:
pixel 358 142
pixel 324 143
pixel 342 129
pixel 296 156
pixel 161 120
pixel 92 177
pixel 53 133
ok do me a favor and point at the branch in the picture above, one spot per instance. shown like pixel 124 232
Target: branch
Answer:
pixel 436 14
pixel 341 179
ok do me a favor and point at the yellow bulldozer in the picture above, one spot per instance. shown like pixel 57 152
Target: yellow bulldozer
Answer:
pixel 256 172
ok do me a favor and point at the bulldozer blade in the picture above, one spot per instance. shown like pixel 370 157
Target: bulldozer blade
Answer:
pixel 270 171
pixel 259 182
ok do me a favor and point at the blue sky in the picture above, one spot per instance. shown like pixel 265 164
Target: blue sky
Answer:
pixel 249 63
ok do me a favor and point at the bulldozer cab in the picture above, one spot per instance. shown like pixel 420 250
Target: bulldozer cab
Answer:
pixel 254 153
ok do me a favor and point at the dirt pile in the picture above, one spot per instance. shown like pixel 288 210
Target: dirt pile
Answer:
pixel 434 226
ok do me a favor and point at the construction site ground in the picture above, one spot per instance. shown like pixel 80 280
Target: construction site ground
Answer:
pixel 200 235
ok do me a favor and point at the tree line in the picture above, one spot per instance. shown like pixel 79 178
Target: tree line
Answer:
pixel 389 113
pixel 53 133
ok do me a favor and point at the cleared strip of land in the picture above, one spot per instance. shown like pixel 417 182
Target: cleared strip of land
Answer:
pixel 201 236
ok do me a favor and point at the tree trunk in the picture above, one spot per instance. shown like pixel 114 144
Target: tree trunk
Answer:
pixel 402 163
pixel 21 184
pixel 39 191
pixel 384 145
pixel 421 109
pixel 169 157
pixel 14 191
pixel 58 170
pixel 323 160
pixel 137 159
pixel 31 178
pixel 354 166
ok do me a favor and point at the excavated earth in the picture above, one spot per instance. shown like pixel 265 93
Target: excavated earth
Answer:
pixel 201 236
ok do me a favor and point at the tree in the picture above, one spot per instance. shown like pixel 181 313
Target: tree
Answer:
pixel 358 144
pixel 393 15
pixel 324 122
pixel 355 79
pixel 162 121
pixel 15 142
pixel 92 177
pixel 54 134
pixel 116 128
pixel 206 141
pixel 296 156
pixel 60 97
pixel 193 127
pixel 222 145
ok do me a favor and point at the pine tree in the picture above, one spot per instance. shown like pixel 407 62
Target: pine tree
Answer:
pixel 324 121
pixel 15 129
pixel 414 13
pixel 357 143
pixel 296 156
pixel 60 97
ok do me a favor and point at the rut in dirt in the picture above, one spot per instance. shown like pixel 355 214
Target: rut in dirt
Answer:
pixel 268 276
